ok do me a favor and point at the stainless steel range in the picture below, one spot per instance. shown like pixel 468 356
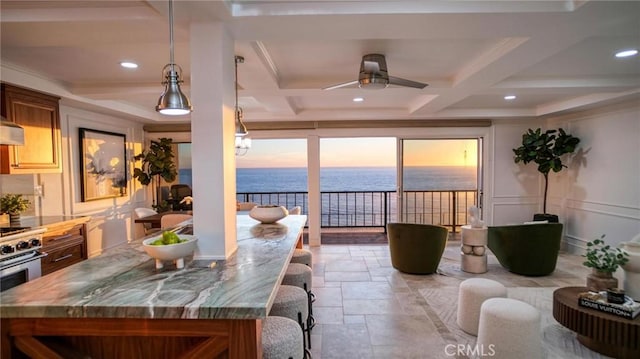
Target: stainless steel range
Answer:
pixel 20 253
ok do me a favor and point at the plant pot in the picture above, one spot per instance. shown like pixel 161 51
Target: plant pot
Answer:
pixel 14 217
pixel 551 218
pixel 598 281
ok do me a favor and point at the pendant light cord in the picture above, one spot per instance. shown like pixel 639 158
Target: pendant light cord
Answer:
pixel 236 59
pixel 171 35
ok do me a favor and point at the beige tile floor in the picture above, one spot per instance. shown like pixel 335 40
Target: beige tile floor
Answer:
pixel 367 309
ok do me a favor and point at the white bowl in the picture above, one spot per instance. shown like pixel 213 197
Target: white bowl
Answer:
pixel 170 252
pixel 268 213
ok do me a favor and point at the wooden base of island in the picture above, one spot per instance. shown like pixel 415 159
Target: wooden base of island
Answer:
pixel 131 338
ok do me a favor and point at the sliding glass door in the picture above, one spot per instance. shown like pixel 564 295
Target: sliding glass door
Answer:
pixel 438 180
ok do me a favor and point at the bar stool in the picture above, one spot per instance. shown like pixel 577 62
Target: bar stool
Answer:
pixel 291 302
pixel 299 275
pixel 281 338
pixel 303 256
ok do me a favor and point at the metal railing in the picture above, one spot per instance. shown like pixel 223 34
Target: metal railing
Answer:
pixel 352 209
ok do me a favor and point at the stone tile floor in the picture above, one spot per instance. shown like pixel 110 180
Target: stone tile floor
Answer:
pixel 366 309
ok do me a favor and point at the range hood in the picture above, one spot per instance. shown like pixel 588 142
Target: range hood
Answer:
pixel 10 133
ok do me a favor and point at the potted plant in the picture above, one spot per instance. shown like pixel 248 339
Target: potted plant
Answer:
pixel 546 150
pixel 157 163
pixel 13 204
pixel 603 261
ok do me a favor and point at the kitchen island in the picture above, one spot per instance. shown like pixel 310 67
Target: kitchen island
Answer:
pixel 118 305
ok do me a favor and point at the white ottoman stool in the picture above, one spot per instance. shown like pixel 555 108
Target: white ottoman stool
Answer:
pixel 473 292
pixel 510 328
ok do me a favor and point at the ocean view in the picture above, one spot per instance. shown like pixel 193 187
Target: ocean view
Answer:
pixel 364 196
pixel 425 178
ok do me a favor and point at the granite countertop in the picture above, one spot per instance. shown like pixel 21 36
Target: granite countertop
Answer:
pixel 44 221
pixel 123 281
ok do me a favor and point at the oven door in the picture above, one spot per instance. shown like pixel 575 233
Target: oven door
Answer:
pixel 20 272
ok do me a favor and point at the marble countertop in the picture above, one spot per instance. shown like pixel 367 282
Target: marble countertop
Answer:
pixel 44 221
pixel 123 281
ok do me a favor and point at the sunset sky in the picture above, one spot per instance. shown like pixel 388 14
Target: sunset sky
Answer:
pixel 359 152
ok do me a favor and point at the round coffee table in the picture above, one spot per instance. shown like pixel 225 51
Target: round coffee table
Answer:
pixel 601 332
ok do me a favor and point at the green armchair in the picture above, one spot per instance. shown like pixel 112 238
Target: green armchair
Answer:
pixel 416 248
pixel 526 249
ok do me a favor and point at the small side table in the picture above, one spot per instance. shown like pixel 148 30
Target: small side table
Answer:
pixel 473 251
pixel 601 332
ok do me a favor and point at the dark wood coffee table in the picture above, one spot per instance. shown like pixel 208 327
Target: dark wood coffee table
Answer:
pixel 601 332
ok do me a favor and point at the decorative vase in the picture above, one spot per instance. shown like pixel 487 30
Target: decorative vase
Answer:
pixel 632 270
pixel 598 281
pixel 268 213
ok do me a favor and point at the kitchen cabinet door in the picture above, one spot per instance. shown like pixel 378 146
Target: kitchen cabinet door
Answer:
pixel 38 115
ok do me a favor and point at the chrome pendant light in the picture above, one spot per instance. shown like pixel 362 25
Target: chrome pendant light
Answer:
pixel 172 101
pixel 241 129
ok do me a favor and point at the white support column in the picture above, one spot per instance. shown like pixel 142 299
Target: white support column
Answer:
pixel 212 141
pixel 313 184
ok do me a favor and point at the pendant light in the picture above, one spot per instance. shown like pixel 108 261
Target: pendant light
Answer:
pixel 172 101
pixel 241 129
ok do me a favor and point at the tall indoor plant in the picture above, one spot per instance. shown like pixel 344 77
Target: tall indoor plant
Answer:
pixel 546 150
pixel 157 163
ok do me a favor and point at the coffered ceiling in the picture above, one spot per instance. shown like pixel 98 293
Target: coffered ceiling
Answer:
pixel 552 55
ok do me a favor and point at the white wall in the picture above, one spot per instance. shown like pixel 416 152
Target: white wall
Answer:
pixel 516 188
pixel 600 194
pixel 111 222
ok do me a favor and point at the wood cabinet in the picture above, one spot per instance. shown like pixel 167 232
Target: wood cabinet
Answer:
pixel 65 245
pixel 38 114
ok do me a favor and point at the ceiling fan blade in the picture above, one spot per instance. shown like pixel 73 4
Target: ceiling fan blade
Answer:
pixel 406 83
pixel 371 67
pixel 344 84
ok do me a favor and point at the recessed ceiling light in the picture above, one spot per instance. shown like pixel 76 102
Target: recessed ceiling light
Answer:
pixel 129 65
pixel 358 99
pixel 627 53
pixel 510 97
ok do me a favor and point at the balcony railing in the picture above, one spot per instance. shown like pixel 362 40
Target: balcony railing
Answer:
pixel 377 208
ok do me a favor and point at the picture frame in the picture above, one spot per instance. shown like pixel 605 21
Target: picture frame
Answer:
pixel 103 166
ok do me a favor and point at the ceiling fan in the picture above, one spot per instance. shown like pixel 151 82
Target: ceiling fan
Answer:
pixel 374 75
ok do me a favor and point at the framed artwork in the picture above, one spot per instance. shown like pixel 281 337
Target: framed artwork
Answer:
pixel 102 164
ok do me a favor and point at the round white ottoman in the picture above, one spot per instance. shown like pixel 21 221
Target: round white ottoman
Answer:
pixel 509 328
pixel 472 293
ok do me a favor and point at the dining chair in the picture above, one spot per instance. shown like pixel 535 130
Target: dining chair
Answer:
pixel 246 206
pixel 141 212
pixel 172 219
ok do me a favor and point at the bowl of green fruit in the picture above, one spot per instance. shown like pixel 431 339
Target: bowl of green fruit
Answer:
pixel 170 246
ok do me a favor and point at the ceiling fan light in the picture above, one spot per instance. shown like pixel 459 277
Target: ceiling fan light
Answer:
pixel 173 101
pixel 373 83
